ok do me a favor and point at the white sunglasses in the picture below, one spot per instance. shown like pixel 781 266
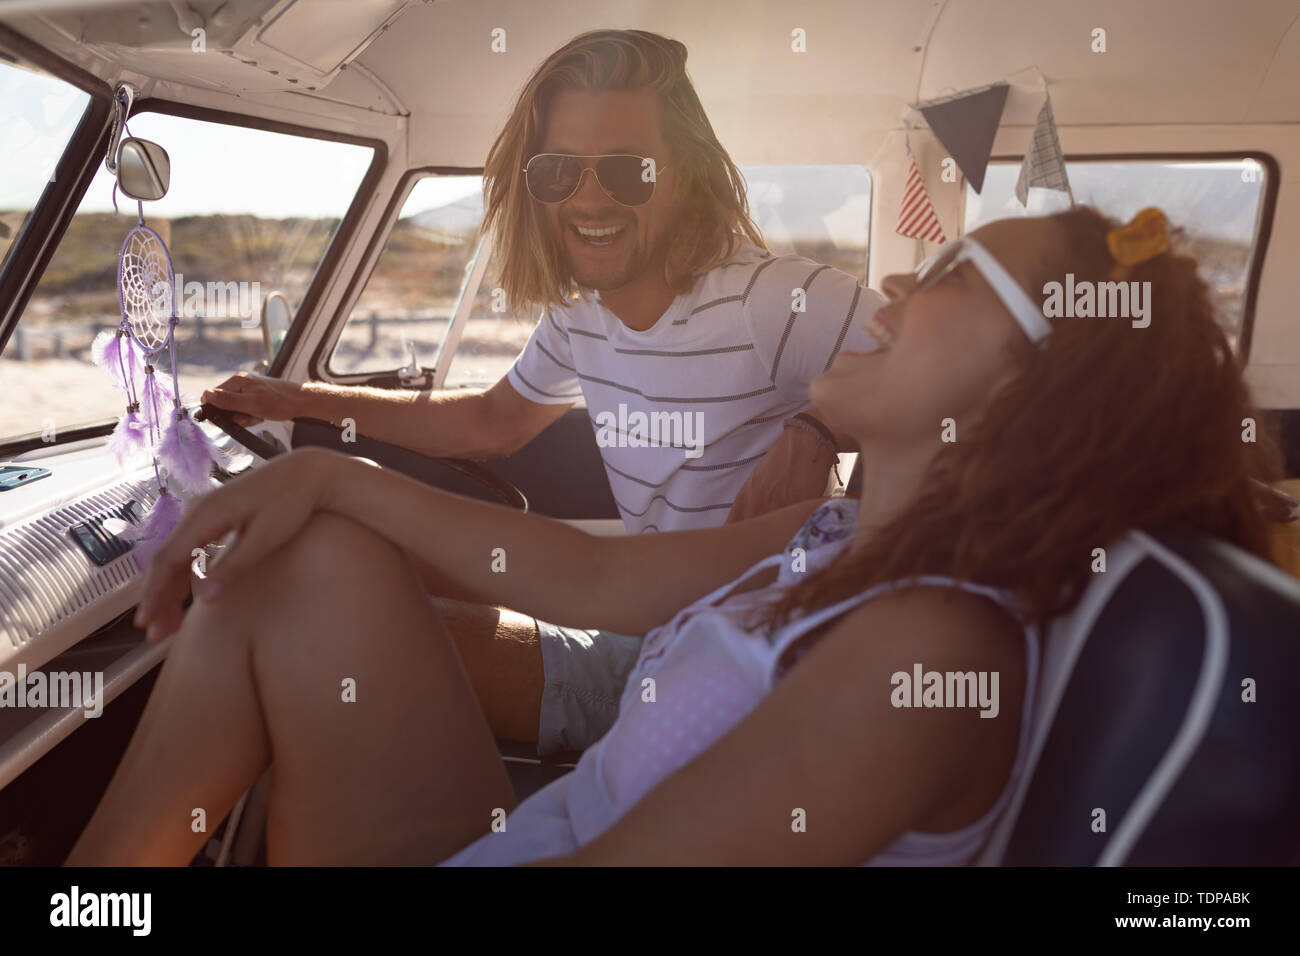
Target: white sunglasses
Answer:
pixel 1027 315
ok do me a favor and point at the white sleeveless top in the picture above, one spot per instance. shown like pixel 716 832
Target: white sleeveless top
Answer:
pixel 710 670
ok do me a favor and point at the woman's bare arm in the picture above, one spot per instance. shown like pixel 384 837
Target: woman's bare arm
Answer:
pixel 491 554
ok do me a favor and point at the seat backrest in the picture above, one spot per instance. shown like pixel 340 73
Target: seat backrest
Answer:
pixel 1146 712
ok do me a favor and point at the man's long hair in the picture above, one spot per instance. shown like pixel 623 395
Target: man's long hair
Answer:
pixel 713 218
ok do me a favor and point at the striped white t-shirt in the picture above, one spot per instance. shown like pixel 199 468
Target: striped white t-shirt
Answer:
pixel 684 410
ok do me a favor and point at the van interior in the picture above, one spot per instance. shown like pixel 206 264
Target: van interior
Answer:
pixel 330 152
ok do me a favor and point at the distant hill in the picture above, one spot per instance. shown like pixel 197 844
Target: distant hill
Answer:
pixel 204 248
pixel 451 222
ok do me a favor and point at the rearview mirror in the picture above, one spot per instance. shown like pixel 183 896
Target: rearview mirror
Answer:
pixel 144 170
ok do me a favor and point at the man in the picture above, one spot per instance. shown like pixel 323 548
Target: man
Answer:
pixel 617 212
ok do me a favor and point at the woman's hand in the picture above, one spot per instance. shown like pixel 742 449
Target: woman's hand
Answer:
pixel 265 508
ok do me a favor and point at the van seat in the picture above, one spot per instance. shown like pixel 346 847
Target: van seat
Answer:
pixel 1170 700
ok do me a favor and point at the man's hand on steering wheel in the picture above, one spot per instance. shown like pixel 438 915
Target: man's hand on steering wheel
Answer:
pixel 253 399
pixel 496 487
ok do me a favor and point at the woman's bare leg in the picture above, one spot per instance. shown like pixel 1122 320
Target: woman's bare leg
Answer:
pixel 503 658
pixel 407 773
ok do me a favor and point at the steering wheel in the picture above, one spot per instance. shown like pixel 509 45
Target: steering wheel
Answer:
pixel 499 488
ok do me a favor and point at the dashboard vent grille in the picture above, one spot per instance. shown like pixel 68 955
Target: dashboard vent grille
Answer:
pixel 45 576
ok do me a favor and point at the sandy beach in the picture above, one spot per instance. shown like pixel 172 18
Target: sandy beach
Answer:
pixel 70 390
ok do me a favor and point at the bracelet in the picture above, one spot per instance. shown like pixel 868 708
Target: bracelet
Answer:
pixel 805 422
pixel 808 429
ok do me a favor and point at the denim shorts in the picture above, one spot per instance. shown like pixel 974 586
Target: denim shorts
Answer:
pixel 585 672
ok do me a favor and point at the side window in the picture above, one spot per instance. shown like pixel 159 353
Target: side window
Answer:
pixel 493 337
pixel 1216 202
pixel 411 295
pixel 821 212
pixel 249 213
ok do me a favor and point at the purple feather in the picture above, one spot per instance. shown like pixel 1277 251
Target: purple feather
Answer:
pixel 165 389
pixel 130 437
pixel 114 351
pixel 106 351
pixel 188 453
pixel 151 533
pixel 134 357
pixel 156 402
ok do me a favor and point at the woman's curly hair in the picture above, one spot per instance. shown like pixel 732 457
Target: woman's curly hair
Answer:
pixel 1105 428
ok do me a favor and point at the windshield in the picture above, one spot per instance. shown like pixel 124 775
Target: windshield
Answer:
pixel 249 212
pixel 38 115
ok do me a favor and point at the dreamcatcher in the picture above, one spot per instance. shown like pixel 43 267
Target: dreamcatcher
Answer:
pixel 156 418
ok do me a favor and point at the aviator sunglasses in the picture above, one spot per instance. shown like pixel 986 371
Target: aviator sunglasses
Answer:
pixel 554 177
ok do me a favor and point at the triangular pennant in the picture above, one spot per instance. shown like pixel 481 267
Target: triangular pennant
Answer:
pixel 916 216
pixel 966 123
pixel 1043 164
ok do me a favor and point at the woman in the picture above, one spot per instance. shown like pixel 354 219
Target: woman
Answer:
pixel 771 720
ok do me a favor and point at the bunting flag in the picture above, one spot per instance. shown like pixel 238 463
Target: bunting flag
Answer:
pixel 916 218
pixel 1043 165
pixel 966 123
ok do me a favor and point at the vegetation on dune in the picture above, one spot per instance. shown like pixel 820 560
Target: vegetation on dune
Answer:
pixel 420 273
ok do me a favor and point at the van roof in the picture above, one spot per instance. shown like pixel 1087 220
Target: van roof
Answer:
pixel 378 62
